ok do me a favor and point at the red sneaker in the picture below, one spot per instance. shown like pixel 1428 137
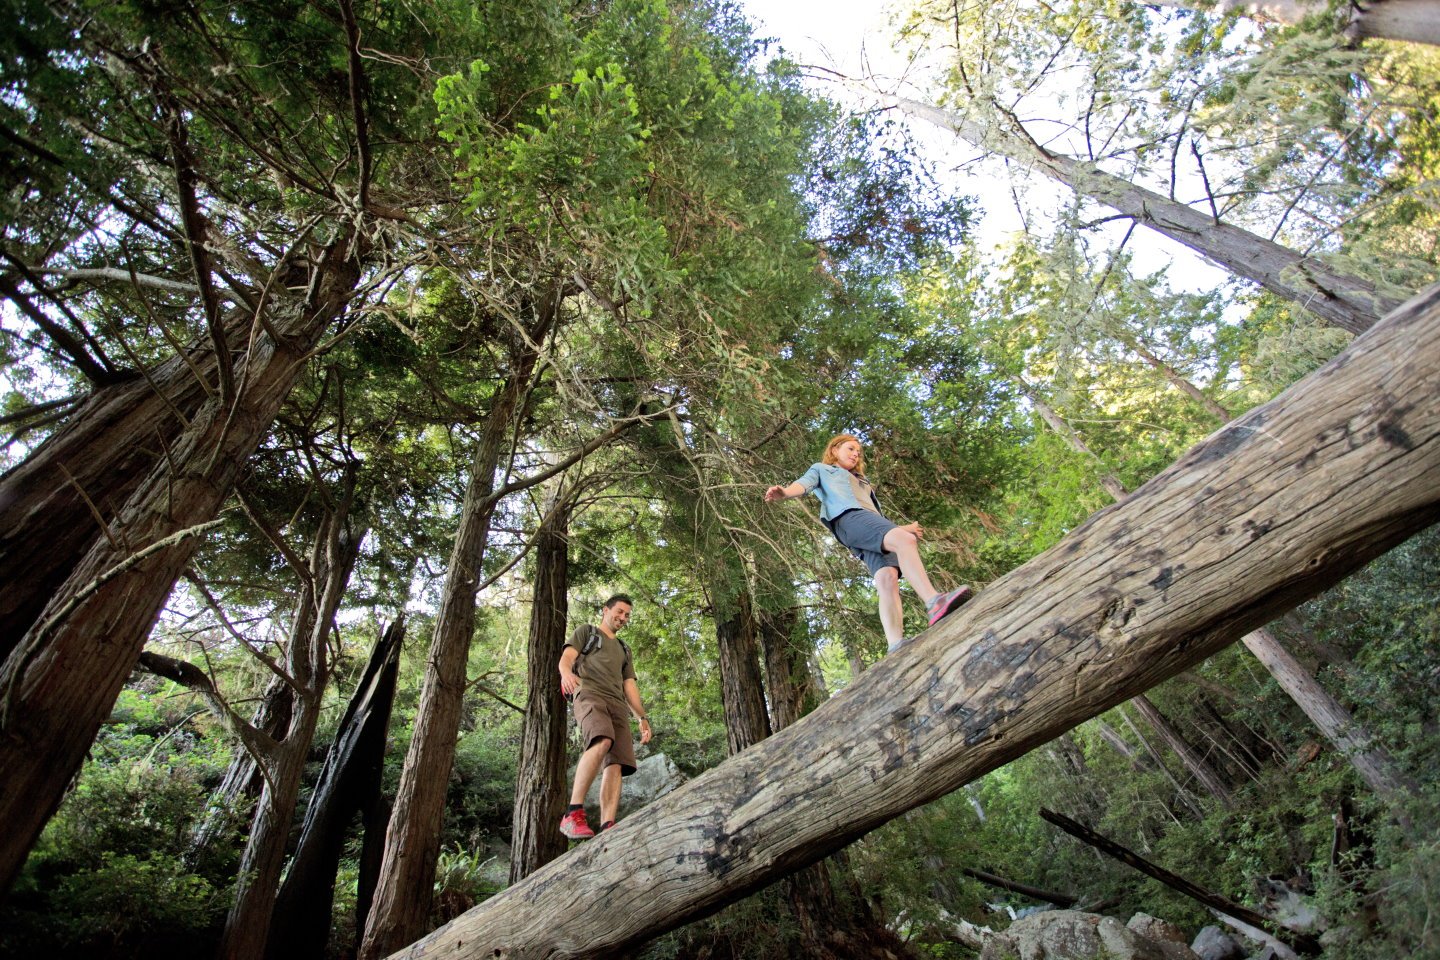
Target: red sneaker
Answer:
pixel 573 825
pixel 948 603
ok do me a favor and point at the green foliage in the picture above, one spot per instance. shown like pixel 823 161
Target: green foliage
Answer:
pixel 109 875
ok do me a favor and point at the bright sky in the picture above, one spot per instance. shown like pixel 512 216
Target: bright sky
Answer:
pixel 850 35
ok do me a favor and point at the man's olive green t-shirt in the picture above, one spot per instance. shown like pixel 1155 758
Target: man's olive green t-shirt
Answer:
pixel 605 669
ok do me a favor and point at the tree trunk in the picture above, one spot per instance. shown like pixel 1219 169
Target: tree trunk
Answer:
pixel 1185 796
pixel 1417 21
pixel 1199 768
pixel 742 691
pixel 1296 494
pixel 788 680
pixel 348 783
pixel 540 788
pixel 1371 761
pixel 412 844
pixel 93 464
pixel 1055 422
pixel 60 682
pixel 242 780
pixel 1112 736
pixel 1351 303
pixel 332 559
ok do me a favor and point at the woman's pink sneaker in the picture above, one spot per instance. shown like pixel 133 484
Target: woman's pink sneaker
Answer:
pixel 948 603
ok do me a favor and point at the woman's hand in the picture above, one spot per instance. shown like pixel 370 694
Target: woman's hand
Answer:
pixel 774 494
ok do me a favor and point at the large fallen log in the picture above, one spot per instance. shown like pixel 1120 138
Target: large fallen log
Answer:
pixel 1269 510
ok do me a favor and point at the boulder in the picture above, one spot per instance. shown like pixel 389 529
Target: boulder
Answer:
pixel 654 776
pixel 1153 928
pixel 1212 943
pixel 1073 935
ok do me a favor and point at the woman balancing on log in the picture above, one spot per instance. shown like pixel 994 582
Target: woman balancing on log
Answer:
pixel 849 508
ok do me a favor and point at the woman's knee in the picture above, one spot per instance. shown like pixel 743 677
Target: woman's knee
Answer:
pixel 887 579
pixel 899 539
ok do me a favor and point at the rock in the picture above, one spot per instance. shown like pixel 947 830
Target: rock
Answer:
pixel 1153 928
pixel 1212 943
pixel 654 776
pixel 1073 935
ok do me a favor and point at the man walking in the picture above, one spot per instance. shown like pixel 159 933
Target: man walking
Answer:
pixel 595 668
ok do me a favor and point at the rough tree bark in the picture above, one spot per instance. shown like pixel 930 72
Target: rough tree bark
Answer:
pixel 1266 512
pixel 741 690
pixel 540 788
pixel 1417 21
pixel 412 843
pixel 60 681
pixel 349 782
pixel 1372 762
pixel 49 502
pixel 1351 303
pixel 242 781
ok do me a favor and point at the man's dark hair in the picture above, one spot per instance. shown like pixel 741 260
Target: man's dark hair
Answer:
pixel 618 598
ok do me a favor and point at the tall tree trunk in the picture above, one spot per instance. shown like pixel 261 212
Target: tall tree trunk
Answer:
pixel 1199 768
pixel 1351 303
pixel 788 677
pixel 1297 494
pixel 742 691
pixel 1417 21
pixel 59 683
pixel 1185 796
pixel 332 559
pixel 1371 761
pixel 540 793
pixel 412 843
pixel 242 781
pixel 92 465
pixel 349 782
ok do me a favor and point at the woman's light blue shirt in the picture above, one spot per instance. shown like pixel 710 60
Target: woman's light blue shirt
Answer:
pixel 831 483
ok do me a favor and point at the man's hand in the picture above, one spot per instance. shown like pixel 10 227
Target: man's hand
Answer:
pixel 569 682
pixel 644 729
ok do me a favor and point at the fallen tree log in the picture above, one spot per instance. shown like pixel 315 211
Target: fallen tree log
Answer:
pixel 1024 889
pixel 1269 510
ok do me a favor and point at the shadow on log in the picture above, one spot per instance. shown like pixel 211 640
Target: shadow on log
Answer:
pixel 1266 512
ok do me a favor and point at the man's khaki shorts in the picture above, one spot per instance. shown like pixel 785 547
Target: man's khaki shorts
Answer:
pixel 602 717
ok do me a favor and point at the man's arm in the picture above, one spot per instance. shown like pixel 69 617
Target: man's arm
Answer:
pixel 632 696
pixel 569 681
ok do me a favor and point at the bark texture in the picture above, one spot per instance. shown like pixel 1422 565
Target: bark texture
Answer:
pixel 53 505
pixel 742 691
pixel 59 683
pixel 1266 512
pixel 1351 303
pixel 307 662
pixel 540 788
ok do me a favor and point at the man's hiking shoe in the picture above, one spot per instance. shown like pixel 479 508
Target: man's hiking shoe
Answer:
pixel 573 825
pixel 948 603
